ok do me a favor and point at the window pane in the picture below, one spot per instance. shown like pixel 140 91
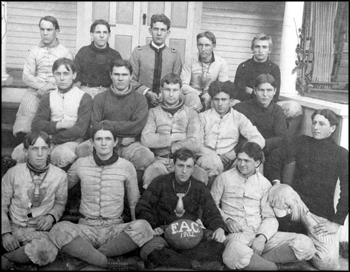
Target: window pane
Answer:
pixel 100 10
pixel 125 12
pixel 179 14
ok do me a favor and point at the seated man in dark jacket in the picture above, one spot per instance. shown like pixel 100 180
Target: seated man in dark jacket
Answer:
pixel 174 196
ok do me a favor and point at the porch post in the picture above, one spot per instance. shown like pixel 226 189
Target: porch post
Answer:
pixel 292 21
pixel 5 78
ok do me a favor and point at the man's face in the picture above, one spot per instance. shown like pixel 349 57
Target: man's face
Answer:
pixel 100 36
pixel 321 128
pixel 221 103
pixel 246 165
pixel 264 93
pixel 37 153
pixel 64 78
pixel 48 33
pixel 184 169
pixel 171 93
pixel 205 48
pixel 121 78
pixel 104 143
pixel 261 50
pixel 159 33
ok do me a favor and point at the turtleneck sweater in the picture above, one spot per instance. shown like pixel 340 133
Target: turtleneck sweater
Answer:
pixel 126 111
pixel 248 71
pixel 93 64
pixel 270 121
pixel 319 165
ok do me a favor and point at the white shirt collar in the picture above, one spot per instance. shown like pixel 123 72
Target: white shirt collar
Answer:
pixel 156 46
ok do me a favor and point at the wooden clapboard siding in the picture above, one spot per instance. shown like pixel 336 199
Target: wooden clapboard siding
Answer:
pixel 236 23
pixel 23 30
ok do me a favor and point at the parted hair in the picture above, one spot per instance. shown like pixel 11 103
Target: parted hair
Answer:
pixel 160 18
pixel 99 22
pixel 328 114
pixel 120 63
pixel 265 78
pixel 209 35
pixel 68 63
pixel 32 136
pixel 51 19
pixel 104 125
pixel 171 78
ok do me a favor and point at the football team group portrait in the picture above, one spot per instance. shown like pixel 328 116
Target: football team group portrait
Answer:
pixel 147 148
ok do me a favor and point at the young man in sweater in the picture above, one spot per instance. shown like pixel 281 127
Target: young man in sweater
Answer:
pixel 64 114
pixel 106 179
pixel 266 115
pixel 153 61
pixel 259 64
pixel 126 111
pixel 92 61
pixel 170 126
pixel 33 196
pixel 312 166
pixel 178 195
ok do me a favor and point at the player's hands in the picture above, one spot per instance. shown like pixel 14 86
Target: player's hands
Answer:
pixel 158 231
pixel 9 242
pixel 233 226
pixel 326 227
pixel 45 223
pixel 258 244
pixel 219 235
pixel 65 124
pixel 43 90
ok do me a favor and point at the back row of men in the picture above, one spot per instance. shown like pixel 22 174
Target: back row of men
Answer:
pixel 97 68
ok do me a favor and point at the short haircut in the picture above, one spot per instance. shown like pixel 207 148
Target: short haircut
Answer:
pixel 51 19
pixel 160 18
pixel 209 35
pixel 68 63
pixel 265 78
pixel 120 63
pixel 253 150
pixel 328 114
pixel 32 136
pixel 99 22
pixel 217 87
pixel 171 78
pixel 183 154
pixel 104 125
pixel 262 37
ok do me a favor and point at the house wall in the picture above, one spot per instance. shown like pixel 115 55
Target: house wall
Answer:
pixel 236 23
pixel 23 30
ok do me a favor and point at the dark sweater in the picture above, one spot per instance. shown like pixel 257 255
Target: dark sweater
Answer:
pixel 158 203
pixel 248 71
pixel 93 64
pixel 127 113
pixel 319 164
pixel 270 121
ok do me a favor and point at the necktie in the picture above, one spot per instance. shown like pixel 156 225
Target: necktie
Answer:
pixel 179 210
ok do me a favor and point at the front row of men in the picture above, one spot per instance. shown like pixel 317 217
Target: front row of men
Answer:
pixel 238 213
